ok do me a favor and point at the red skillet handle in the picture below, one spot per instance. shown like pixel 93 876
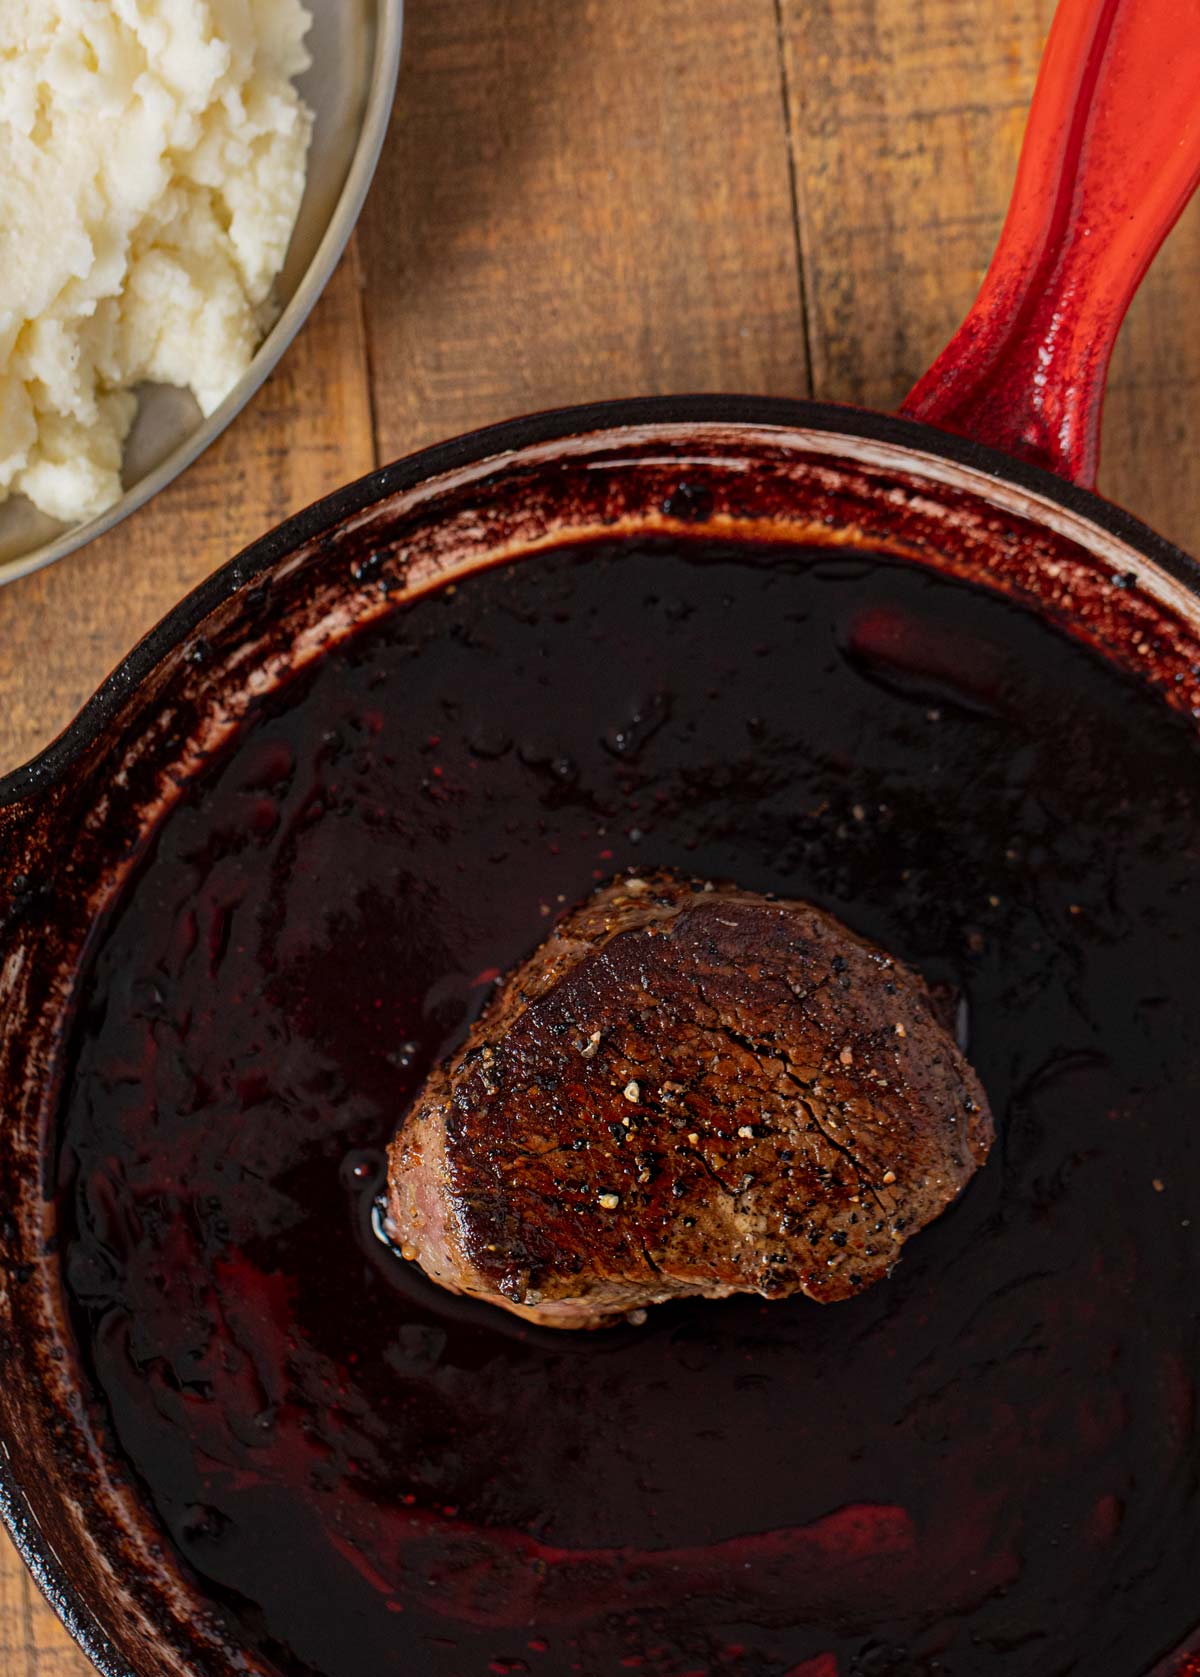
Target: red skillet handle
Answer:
pixel 1111 155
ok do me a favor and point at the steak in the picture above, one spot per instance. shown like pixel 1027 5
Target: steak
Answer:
pixel 686 1089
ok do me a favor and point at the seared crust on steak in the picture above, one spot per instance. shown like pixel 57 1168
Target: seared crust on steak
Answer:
pixel 686 1090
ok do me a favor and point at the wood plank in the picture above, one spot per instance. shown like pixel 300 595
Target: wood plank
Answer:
pixel 16 1629
pixel 906 123
pixel 307 431
pixel 583 200
pixel 32 1641
pixel 1150 460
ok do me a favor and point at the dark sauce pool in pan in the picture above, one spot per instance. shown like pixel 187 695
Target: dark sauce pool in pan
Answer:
pixel 986 1464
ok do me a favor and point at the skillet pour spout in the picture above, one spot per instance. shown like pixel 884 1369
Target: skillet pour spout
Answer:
pixel 1113 151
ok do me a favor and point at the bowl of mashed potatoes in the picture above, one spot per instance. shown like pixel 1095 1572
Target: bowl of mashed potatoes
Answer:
pixel 176 187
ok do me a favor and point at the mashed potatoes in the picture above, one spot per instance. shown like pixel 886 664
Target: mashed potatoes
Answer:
pixel 152 161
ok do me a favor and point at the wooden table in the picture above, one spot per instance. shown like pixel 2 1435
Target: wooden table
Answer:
pixel 590 198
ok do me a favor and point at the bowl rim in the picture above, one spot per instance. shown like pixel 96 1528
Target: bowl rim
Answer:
pixel 381 89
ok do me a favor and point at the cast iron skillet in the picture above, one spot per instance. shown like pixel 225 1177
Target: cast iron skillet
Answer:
pixel 987 478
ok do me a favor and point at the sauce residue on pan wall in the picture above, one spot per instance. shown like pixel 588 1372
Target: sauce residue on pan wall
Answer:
pixel 986 1464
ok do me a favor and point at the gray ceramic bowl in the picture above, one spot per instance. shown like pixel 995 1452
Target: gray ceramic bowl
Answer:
pixel 355 47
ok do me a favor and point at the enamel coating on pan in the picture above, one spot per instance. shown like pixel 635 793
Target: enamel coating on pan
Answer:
pixel 71 820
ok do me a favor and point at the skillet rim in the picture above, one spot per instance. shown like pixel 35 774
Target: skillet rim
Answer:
pixel 52 765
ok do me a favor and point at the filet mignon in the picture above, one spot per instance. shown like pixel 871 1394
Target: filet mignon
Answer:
pixel 687 1089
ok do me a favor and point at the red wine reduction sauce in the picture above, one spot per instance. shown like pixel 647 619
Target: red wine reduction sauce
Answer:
pixel 986 1464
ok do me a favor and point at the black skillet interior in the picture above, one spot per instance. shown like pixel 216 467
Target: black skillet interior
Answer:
pixel 986 1463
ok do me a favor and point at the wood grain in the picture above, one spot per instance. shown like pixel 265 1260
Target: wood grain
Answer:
pixel 906 124
pixel 1150 459
pixel 32 1641
pixel 588 198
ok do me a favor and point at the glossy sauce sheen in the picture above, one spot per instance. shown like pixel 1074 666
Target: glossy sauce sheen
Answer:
pixel 987 1463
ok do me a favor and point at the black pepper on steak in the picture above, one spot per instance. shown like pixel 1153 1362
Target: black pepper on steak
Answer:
pixel 687 1089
